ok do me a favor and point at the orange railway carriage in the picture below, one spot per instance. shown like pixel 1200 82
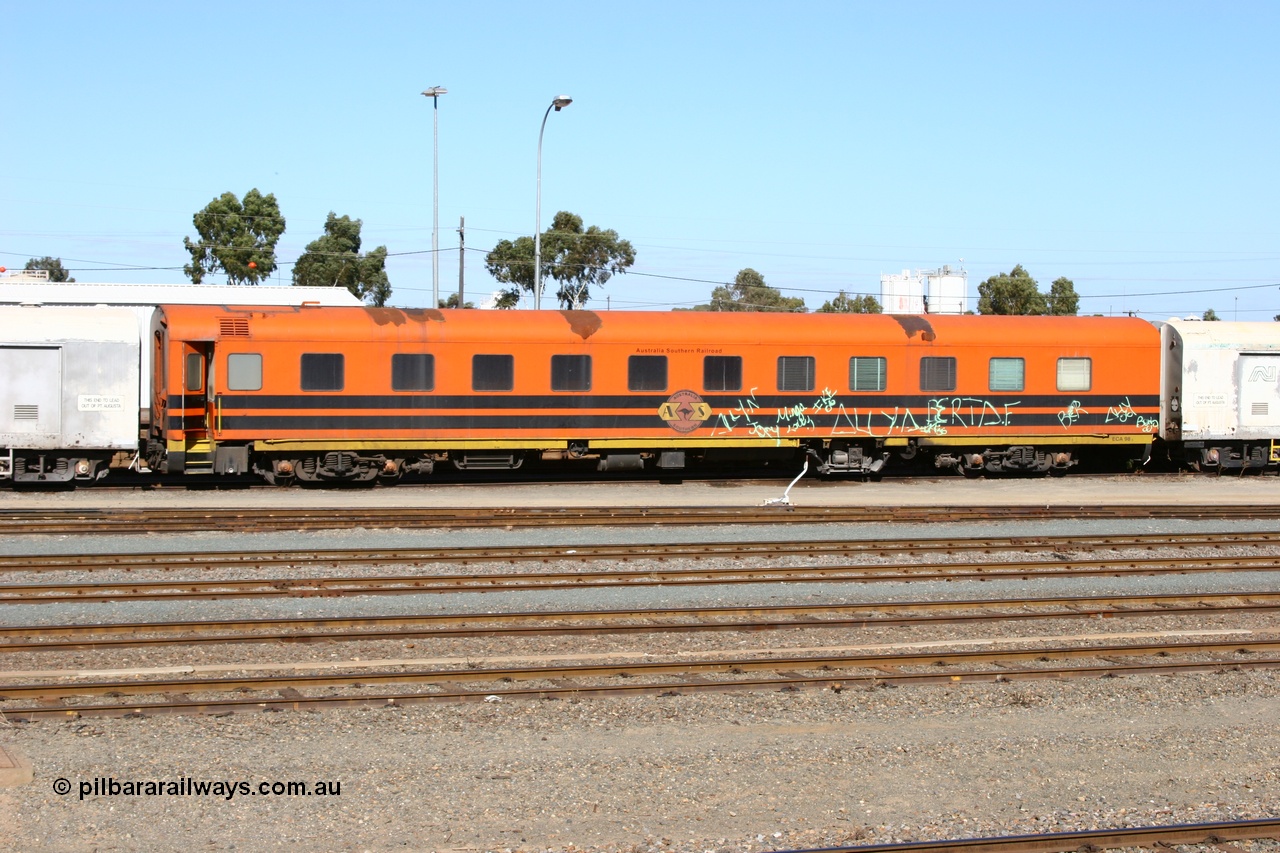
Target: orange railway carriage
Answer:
pixel 333 393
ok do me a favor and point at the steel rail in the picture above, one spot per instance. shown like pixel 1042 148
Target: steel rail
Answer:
pixel 624 553
pixel 561 623
pixel 1146 837
pixel 180 589
pixel 562 685
pixel 73 521
pixel 643 669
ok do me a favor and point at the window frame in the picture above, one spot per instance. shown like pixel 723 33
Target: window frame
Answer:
pixel 882 372
pixel 236 368
pixel 1088 374
pixel 725 361
pixel 570 372
pixel 1022 373
pixel 645 382
pixel 428 359
pixel 496 358
pixel 927 362
pixel 193 368
pixel 787 368
pixel 328 360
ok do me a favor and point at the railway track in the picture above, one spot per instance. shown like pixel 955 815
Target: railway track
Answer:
pixel 1216 835
pixel 459 680
pixel 182 588
pixel 68 522
pixel 257 560
pixel 515 626
pixel 836 672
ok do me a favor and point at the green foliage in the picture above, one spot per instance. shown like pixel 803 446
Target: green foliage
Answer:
pixel 334 260
pixel 844 304
pixel 749 293
pixel 511 263
pixel 238 239
pixel 507 299
pixel 1210 315
pixel 1015 292
pixel 1011 293
pixel 452 302
pixel 1062 300
pixel 53 266
pixel 575 257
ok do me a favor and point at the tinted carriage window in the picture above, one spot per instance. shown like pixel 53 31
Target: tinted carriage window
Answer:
pixel 322 371
pixel 195 371
pixel 411 371
pixel 867 373
pixel 795 373
pixel 722 373
pixel 493 372
pixel 937 374
pixel 244 371
pixel 647 373
pixel 1007 374
pixel 570 373
pixel 1075 374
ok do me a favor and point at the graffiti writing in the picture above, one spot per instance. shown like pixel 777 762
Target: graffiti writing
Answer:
pixel 1071 414
pixel 1123 413
pixel 939 417
pixel 796 417
pixel 746 414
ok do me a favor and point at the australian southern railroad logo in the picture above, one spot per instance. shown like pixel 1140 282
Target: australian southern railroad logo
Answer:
pixel 684 411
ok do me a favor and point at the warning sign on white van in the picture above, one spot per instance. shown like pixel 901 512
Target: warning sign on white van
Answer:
pixel 101 402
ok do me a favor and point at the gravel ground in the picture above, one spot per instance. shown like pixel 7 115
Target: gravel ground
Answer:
pixel 692 773
pixel 698 772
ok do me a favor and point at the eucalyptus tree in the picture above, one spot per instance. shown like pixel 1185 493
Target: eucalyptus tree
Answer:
pixel 750 293
pixel 237 238
pixel 334 260
pixel 577 258
pixel 1014 292
pixel 846 304
pixel 53 266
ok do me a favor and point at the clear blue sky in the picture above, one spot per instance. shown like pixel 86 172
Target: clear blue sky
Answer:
pixel 1129 146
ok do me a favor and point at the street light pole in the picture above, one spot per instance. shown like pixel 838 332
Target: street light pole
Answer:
pixel 434 94
pixel 558 104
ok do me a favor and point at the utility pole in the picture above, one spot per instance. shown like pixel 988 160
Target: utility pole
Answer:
pixel 462 258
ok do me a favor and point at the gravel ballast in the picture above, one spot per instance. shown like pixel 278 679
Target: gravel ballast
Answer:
pixel 725 772
pixel 751 771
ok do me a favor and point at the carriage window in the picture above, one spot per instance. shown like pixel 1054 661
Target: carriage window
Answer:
pixel 722 373
pixel 866 373
pixel 413 371
pixel 1075 374
pixel 195 371
pixel 322 371
pixel 937 374
pixel 647 373
pixel 795 372
pixel 570 373
pixel 493 372
pixel 244 371
pixel 1007 374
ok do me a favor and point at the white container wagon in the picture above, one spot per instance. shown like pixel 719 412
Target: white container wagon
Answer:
pixel 143 299
pixel 1220 393
pixel 69 380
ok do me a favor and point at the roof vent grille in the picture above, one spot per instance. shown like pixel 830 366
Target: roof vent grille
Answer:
pixel 233 327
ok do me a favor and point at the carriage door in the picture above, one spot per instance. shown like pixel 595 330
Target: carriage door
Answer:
pixel 30 396
pixel 195 399
pixel 1259 383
